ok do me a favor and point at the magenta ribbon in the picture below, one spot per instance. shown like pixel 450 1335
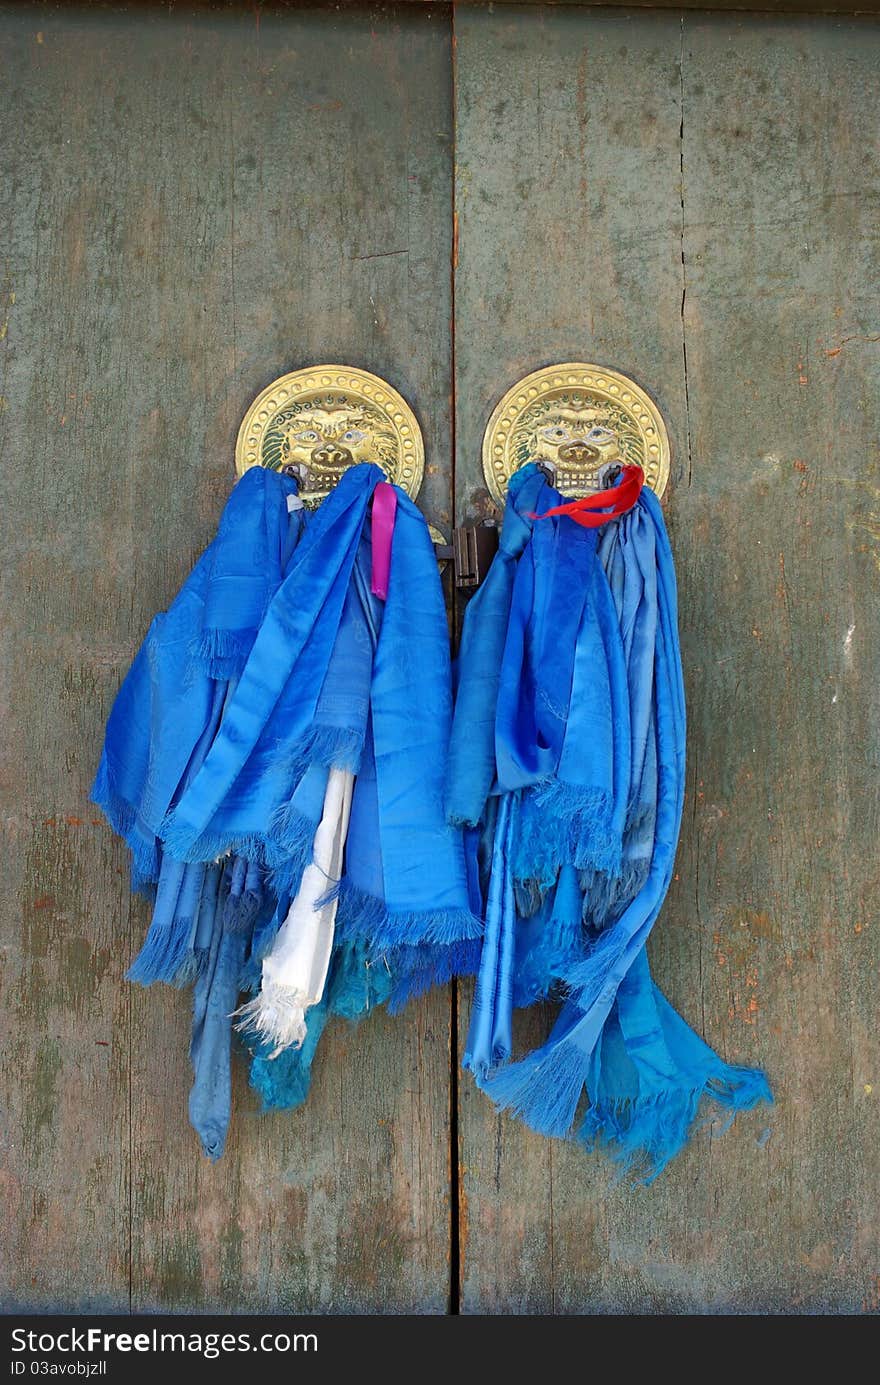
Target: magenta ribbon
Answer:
pixel 384 510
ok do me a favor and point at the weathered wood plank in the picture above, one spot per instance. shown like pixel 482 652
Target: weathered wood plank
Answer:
pixel 554 265
pixel 200 201
pixel 573 242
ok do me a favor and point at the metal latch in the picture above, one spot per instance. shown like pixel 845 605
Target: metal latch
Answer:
pixel 471 552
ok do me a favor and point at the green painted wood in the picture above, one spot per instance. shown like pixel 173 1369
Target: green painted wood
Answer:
pixel 694 201
pixel 199 200
pixel 196 202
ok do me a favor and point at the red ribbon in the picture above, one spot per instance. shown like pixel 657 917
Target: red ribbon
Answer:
pixel 595 510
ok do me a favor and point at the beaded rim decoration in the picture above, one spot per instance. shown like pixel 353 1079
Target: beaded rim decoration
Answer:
pixel 576 417
pixel 324 419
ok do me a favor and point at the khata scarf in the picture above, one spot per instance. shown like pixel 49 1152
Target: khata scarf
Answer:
pixel 275 759
pixel 160 729
pixel 568 749
pixel 167 710
pixel 340 680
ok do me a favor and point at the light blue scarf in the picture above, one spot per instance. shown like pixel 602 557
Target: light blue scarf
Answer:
pixel 588 718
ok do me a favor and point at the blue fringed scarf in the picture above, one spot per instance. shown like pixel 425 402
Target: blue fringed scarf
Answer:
pixel 276 667
pixel 568 746
pixel 339 680
pixel 168 709
pixel 162 724
pixel 334 681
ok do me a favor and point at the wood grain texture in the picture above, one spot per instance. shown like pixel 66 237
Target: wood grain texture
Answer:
pixel 197 202
pixel 694 200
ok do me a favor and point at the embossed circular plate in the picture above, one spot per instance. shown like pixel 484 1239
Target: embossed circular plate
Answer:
pixel 576 417
pixel 326 418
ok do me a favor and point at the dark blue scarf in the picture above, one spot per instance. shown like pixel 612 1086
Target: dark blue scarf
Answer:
pixel 572 758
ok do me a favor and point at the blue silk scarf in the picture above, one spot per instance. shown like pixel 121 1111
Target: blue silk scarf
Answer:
pixel 581 805
pixel 160 729
pixel 340 679
pixel 168 702
pixel 275 665
pixel 334 680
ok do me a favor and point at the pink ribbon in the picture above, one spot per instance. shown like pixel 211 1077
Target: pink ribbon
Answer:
pixel 384 511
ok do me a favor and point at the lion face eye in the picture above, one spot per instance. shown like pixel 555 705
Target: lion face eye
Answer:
pixel 307 435
pixel 555 433
pixel 353 436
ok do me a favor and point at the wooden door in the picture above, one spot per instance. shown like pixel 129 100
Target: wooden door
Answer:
pixel 198 199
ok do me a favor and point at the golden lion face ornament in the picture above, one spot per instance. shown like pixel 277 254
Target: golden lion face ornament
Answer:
pixel 326 442
pixel 577 417
pixel 574 449
pixel 323 419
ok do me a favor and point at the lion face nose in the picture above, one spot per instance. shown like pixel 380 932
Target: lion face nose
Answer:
pixel 578 453
pixel 332 456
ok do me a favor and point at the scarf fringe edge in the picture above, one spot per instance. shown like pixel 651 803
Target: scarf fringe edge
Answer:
pixel 122 817
pixel 459 959
pixel 363 915
pixel 574 827
pixel 332 747
pixel 222 653
pixel 184 843
pixel 167 956
pixel 276 1016
pixel 642 1134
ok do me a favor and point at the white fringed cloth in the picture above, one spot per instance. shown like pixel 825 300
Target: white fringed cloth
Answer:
pixel 295 971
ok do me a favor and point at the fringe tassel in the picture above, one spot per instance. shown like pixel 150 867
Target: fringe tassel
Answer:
pixel 222 653
pixel 586 978
pixel 240 912
pixel 276 1017
pixel 363 915
pixel 145 856
pixel 293 837
pixel 293 833
pixel 543 1089
pixel 334 747
pixel 181 845
pixel 166 955
pixel 607 895
pixel 120 815
pixel 146 862
pixel 565 823
pixel 417 969
pixel 643 1135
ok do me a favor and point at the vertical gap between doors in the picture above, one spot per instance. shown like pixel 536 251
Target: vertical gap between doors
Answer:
pixel 454 1166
